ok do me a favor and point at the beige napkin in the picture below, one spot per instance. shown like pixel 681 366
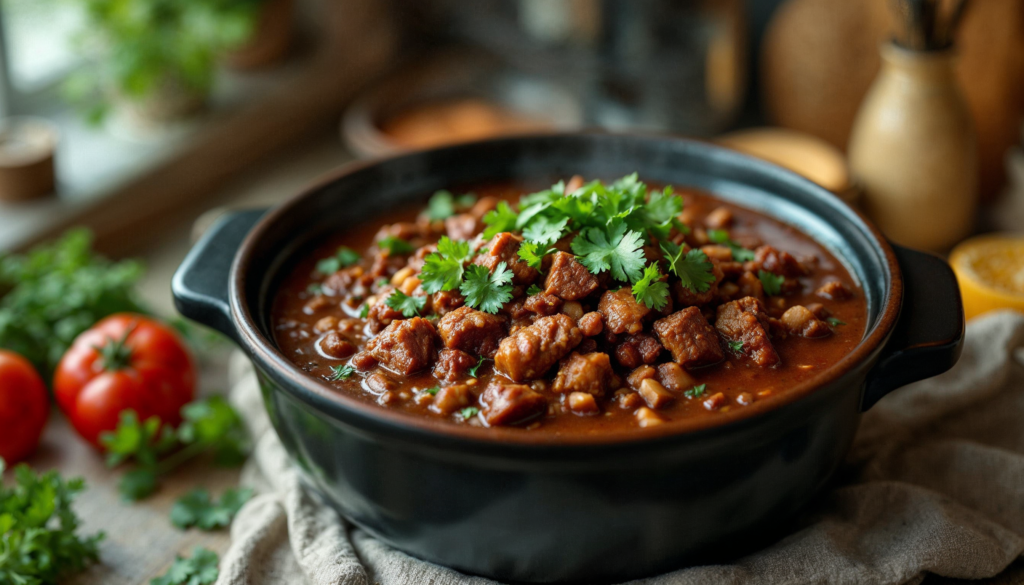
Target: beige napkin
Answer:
pixel 938 486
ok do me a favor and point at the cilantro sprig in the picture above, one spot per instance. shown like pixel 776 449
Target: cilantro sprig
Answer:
pixel 618 249
pixel 409 306
pixel 486 290
pixel 342 258
pixel 651 290
pixel 443 270
pixel 694 269
pixel 196 508
pixel 343 372
pixel 533 253
pixel 395 246
pixel 443 204
pixel 199 569
pixel 771 282
pixel 739 253
pixel 500 219
pixel 696 391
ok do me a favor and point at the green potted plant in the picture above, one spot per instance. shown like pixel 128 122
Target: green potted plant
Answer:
pixel 155 60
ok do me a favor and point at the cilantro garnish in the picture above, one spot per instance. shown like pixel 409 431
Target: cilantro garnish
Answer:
pixel 739 253
pixel 469 412
pixel 443 204
pixel 651 290
pixel 835 322
pixel 534 290
pixel 395 246
pixel 696 391
pixel 693 269
pixel 736 346
pixel 343 372
pixel 314 288
pixel 409 306
pixel 772 283
pixel 442 270
pixel 199 569
pixel 472 371
pixel 500 219
pixel 197 509
pixel 343 258
pixel 617 250
pixel 485 290
pixel 530 252
pixel 365 311
pixel 545 231
pixel 432 391
pixel 39 543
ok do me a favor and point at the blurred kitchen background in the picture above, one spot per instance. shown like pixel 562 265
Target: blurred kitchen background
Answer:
pixel 136 118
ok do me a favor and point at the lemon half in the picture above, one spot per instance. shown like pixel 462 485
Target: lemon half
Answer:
pixel 990 269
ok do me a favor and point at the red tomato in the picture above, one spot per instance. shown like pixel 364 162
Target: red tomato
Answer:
pixel 23 407
pixel 124 362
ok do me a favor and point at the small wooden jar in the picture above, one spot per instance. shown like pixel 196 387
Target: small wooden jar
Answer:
pixel 27 147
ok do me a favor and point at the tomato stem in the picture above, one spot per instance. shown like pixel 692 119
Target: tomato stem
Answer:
pixel 115 355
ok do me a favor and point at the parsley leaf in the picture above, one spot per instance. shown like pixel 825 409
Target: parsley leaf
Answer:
pixel 772 283
pixel 534 290
pixel 343 372
pixel 395 246
pixel 500 219
pixel 469 412
pixel 197 509
pixel 617 250
pixel 199 569
pixel 545 231
pixel 739 253
pixel 529 253
pixel 696 391
pixel 693 269
pixel 835 322
pixel 443 269
pixel 472 371
pixel 486 291
pixel 343 258
pixel 409 306
pixel 651 290
pixel 39 543
pixel 736 346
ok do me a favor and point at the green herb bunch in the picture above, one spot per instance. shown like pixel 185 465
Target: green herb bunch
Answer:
pixel 55 292
pixel 39 543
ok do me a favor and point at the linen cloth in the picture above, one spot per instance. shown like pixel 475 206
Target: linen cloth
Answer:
pixel 934 483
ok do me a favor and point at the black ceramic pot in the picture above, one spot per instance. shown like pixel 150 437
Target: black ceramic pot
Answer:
pixel 512 505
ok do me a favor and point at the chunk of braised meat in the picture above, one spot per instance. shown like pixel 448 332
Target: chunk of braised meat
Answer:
pixel 637 349
pixel 687 297
pixel 590 373
pixel 834 290
pixel 744 321
pixel 720 217
pixel 385 264
pixel 504 404
pixel 406 346
pixel 453 364
pixel 452 398
pixel 569 279
pixel 380 315
pixel 779 262
pixel 751 286
pixel 462 226
pixel 689 338
pixel 543 304
pixel 349 281
pixel 582 403
pixel 336 346
pixel 504 247
pixel 799 320
pixel 531 351
pixel 446 301
pixel 472 331
pixel 363 361
pixel 621 312
pixel 674 377
pixel 591 324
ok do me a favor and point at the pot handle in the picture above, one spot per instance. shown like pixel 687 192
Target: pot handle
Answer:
pixel 200 285
pixel 929 334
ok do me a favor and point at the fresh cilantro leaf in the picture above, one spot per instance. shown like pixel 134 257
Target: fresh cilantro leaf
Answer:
pixel 409 306
pixel 381 283
pixel 472 371
pixel 395 246
pixel 651 290
pixel 343 372
pixel 739 253
pixel 696 391
pixel 545 231
pixel 39 540
pixel 772 283
pixel 736 346
pixel 144 441
pixel 343 258
pixel 212 424
pixel 314 288
pixel 138 484
pixel 835 322
pixel 500 219
pixel 485 290
pixel 199 569
pixel 469 412
pixel 197 509
pixel 365 311
pixel 530 253
pixel 443 204
pixel 617 250
pixel 534 290
pixel 694 270
pixel 443 269
pixel 432 391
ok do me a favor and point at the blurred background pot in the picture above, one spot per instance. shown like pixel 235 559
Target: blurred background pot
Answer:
pixel 27 148
pixel 912 149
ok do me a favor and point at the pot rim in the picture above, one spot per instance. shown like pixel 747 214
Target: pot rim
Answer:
pixel 325 398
